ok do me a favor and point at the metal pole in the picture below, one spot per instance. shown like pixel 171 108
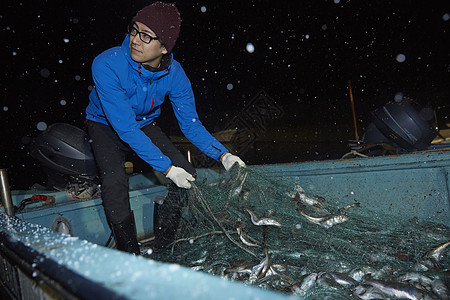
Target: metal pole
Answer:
pixel 6 193
pixel 353 110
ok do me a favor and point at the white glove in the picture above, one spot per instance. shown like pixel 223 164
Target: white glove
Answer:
pixel 180 177
pixel 228 160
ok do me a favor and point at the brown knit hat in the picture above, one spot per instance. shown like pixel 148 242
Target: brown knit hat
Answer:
pixel 163 19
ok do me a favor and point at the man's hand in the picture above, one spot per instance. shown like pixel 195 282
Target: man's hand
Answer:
pixel 180 177
pixel 228 160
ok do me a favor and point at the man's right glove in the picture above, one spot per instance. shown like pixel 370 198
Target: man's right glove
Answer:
pixel 228 160
pixel 180 177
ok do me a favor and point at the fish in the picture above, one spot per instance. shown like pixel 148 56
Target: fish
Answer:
pixel 324 280
pixel 329 220
pixel 399 290
pixel 238 190
pixel 359 274
pixel 278 268
pixel 301 197
pixel 242 268
pixel 342 279
pixel 326 221
pixel 431 258
pixel 245 239
pixel 368 293
pixel 297 189
pixel 414 277
pixel 298 195
pixel 260 270
pixel 262 221
pixel 349 206
pixel 200 260
pixel 305 284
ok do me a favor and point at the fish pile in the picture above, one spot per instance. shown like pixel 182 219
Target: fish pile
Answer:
pixel 273 235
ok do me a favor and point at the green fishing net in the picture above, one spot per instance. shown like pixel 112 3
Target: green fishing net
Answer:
pixel 272 233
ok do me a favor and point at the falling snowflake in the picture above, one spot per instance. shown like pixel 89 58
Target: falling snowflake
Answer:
pixel 398 97
pixel 41 126
pixel 400 58
pixel 250 48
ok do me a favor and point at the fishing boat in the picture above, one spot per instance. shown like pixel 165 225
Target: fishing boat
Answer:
pixel 56 244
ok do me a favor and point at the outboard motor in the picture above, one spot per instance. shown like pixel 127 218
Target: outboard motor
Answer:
pixel 65 154
pixel 403 124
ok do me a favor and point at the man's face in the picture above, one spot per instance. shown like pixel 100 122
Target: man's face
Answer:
pixel 147 54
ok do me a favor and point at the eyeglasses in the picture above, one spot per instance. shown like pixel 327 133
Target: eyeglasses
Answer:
pixel 146 38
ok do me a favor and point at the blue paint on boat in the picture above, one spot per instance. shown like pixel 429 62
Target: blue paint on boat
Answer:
pixel 407 186
pixel 111 274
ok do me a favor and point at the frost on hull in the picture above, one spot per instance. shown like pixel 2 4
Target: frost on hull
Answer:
pixel 60 266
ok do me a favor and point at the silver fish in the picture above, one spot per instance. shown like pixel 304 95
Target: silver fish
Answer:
pixel 200 260
pixel 342 279
pixel 399 290
pixel 359 274
pixel 245 239
pixel 368 293
pixel 432 257
pixel 260 270
pixel 308 200
pixel 414 277
pixel 330 220
pixel 256 272
pixel 262 221
pixel 244 268
pixel 326 221
pixel 238 190
pixel 276 269
pixel 298 194
pixel 305 284
pixel 297 189
pixel 326 281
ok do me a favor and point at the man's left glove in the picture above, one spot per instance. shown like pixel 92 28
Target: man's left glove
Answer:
pixel 228 160
pixel 180 177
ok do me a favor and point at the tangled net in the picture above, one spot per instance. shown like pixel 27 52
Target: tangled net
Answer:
pixel 272 234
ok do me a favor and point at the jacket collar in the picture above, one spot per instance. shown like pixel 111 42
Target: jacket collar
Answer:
pixel 139 68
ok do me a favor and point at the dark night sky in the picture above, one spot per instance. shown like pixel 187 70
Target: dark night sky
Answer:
pixel 305 53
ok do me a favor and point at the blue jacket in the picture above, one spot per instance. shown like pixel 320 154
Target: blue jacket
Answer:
pixel 129 97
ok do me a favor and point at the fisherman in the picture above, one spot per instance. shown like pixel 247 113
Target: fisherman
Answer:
pixel 131 83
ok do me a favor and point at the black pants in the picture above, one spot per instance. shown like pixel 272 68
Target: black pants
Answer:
pixel 110 153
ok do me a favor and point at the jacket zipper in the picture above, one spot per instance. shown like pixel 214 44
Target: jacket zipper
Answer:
pixel 153 102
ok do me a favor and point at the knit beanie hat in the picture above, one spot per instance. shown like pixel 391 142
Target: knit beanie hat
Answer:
pixel 163 19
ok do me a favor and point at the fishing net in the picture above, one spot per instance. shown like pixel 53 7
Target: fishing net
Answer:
pixel 271 233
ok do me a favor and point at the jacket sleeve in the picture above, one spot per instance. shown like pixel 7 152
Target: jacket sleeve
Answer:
pixel 121 116
pixel 183 103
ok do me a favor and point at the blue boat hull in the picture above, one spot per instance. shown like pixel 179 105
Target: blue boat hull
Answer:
pixel 406 186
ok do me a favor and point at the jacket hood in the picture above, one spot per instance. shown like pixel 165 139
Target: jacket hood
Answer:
pixel 138 67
